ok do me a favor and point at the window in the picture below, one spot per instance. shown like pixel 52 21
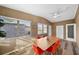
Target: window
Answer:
pixel 16 27
pixel 60 31
pixel 26 25
pixel 71 32
pixel 49 30
pixel 40 28
pixel 44 28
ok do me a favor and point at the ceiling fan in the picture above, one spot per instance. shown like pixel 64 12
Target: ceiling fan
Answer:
pixel 59 11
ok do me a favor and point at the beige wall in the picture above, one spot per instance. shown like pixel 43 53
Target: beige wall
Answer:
pixel 21 15
pixel 61 23
pixel 8 44
pixel 77 26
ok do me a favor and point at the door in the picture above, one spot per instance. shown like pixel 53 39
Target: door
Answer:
pixel 71 32
pixel 60 32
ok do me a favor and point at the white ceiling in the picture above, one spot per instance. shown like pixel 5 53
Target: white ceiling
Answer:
pixel 48 11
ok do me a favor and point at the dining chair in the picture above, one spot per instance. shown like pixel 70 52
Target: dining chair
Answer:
pixel 54 47
pixel 37 50
pixel 38 36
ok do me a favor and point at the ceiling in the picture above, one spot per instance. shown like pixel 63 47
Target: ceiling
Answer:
pixel 52 12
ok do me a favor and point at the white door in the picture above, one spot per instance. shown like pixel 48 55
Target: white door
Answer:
pixel 71 32
pixel 60 32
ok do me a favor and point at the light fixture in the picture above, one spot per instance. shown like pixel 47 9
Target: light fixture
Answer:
pixel 59 11
pixel 56 15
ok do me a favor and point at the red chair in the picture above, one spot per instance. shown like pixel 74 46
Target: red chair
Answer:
pixel 38 36
pixel 37 50
pixel 54 47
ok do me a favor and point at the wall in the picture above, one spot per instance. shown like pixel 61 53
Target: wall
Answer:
pixel 61 23
pixel 7 45
pixel 77 26
pixel 25 16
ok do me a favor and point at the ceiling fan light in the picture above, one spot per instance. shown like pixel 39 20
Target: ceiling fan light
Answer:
pixel 55 16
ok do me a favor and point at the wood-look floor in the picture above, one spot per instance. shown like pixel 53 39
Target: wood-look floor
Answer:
pixel 67 48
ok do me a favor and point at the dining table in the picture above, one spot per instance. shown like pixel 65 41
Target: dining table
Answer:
pixel 45 43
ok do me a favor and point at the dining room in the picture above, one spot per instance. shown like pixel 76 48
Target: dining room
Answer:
pixel 39 29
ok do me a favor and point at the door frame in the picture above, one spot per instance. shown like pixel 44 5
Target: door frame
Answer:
pixel 71 39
